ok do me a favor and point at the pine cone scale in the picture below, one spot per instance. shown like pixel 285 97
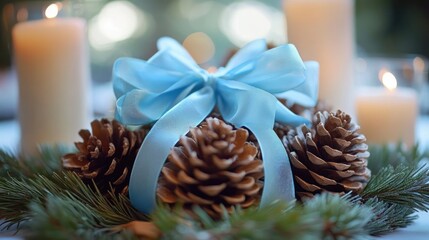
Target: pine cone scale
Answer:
pixel 166 195
pixel 351 186
pixel 307 186
pixel 246 183
pixel 199 200
pixel 338 175
pixel 331 152
pixel 222 163
pixel 321 180
pixel 339 166
pixel 234 199
pixel 121 179
pixel 315 160
pixel 251 192
pixel 200 175
pixel 341 143
pixel 234 177
pixel 212 190
pixel 296 163
pixel 111 168
pixel 184 178
pixel 170 175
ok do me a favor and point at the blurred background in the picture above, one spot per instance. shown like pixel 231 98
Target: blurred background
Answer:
pixel 393 32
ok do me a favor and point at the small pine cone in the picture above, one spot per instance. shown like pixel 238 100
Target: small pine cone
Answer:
pixel 331 156
pixel 281 129
pixel 307 112
pixel 107 156
pixel 214 165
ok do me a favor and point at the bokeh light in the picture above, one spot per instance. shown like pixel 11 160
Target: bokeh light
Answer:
pixel 52 10
pixel 242 22
pixel 117 21
pixel 389 81
pixel 200 46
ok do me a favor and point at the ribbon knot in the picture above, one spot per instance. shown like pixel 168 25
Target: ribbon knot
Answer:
pixel 209 78
pixel 171 90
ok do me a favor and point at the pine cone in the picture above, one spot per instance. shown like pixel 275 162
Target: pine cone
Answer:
pixel 331 156
pixel 213 166
pixel 107 156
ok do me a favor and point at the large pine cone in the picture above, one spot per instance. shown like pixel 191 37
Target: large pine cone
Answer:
pixel 332 156
pixel 107 156
pixel 213 166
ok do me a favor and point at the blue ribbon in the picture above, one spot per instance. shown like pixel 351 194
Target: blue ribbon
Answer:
pixel 171 90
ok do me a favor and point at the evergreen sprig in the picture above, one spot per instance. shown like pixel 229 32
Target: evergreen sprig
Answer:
pixel 44 163
pixel 405 185
pixel 57 204
pixel 67 218
pixel 326 216
pixel 388 216
pixel 20 193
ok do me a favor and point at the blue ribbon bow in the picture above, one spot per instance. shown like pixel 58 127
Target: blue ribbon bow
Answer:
pixel 171 89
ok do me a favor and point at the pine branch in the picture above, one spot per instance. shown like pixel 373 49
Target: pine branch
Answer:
pixel 388 217
pixel 44 163
pixel 324 217
pixel 67 218
pixel 404 185
pixel 19 193
pixel 272 221
pixel 342 218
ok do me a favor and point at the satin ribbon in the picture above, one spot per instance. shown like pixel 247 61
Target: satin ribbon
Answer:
pixel 171 90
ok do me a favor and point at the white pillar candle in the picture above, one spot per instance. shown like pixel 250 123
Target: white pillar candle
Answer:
pixel 323 30
pixel 387 116
pixel 53 71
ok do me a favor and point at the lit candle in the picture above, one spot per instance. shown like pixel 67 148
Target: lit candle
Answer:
pixel 387 115
pixel 53 71
pixel 323 30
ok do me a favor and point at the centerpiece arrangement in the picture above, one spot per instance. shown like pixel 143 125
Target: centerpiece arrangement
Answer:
pixel 198 155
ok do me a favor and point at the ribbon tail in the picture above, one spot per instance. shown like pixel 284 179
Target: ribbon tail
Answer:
pixel 158 143
pixel 278 183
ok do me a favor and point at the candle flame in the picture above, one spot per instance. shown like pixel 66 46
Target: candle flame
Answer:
pixel 389 80
pixel 52 10
pixel 419 64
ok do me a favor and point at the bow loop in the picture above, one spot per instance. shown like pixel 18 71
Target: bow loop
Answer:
pixel 251 50
pixel 172 55
pixel 276 70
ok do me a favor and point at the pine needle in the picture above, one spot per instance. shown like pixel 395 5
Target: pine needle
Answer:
pixel 67 218
pixel 19 193
pixel 405 185
pixel 388 217
pixel 342 218
pixel 44 163
pixel 326 216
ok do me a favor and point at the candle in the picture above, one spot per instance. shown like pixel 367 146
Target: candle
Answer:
pixel 387 115
pixel 53 71
pixel 323 30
